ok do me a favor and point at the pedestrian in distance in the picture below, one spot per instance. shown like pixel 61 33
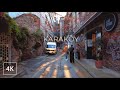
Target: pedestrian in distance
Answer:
pixel 65 50
pixel 71 50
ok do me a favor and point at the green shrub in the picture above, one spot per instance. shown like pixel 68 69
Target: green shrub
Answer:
pixel 38 33
pixel 23 34
pixel 20 34
pixel 13 27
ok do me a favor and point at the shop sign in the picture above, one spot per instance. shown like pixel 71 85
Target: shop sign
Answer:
pixel 110 22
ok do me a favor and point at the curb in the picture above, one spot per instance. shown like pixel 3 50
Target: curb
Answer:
pixel 117 75
pixel 93 76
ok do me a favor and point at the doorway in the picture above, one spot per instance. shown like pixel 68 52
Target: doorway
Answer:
pixel 92 38
pixel 89 45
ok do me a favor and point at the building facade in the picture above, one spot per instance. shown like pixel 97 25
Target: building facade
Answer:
pixel 61 22
pixel 30 21
pixel 100 31
pixel 46 22
pixel 33 44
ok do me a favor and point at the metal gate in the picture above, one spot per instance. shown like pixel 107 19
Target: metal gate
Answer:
pixel 4 47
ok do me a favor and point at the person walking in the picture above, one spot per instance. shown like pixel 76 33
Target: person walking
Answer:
pixel 65 50
pixel 71 50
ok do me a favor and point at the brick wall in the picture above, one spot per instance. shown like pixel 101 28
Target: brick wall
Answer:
pixel 82 46
pixel 112 47
pixel 32 22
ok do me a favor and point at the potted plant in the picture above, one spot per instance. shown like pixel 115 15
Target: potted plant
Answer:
pixel 98 62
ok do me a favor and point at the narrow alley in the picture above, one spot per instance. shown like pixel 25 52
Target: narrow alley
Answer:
pixel 55 66
pixel 45 45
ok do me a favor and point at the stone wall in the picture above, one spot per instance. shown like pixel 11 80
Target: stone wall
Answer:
pixel 31 51
pixel 32 23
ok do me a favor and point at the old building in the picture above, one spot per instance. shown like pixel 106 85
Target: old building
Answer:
pixel 30 21
pixel 13 47
pixel 100 31
pixel 34 41
pixel 66 24
pixel 71 24
pixel 61 22
pixel 47 24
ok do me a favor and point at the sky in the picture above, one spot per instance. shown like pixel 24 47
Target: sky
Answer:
pixel 61 13
pixel 14 14
pixel 58 15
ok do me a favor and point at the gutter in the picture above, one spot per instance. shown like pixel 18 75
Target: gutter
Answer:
pixel 93 17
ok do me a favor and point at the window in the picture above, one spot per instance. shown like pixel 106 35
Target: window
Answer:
pixel 51 46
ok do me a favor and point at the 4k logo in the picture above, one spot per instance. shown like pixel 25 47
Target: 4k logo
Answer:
pixel 9 68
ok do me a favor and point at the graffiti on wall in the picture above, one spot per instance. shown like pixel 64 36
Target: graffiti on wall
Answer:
pixel 113 47
pixel 82 45
pixel 80 38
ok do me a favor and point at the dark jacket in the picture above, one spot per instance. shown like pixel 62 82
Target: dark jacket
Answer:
pixel 71 50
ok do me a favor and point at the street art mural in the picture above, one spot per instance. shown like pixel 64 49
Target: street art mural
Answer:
pixel 113 47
